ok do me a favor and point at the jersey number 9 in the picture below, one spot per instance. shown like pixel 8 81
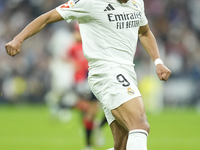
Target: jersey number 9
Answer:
pixel 123 80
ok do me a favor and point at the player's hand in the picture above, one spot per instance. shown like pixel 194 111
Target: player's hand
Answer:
pixel 13 47
pixel 163 72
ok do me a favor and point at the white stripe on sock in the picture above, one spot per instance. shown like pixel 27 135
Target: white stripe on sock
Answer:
pixel 139 131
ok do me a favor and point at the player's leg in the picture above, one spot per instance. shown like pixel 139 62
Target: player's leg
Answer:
pixel 103 122
pixel 131 115
pixel 98 134
pixel 120 135
pixel 88 120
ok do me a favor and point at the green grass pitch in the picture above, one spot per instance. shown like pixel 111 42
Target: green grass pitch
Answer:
pixel 32 128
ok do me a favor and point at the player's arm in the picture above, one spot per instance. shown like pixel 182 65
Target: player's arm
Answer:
pixel 13 47
pixel 150 45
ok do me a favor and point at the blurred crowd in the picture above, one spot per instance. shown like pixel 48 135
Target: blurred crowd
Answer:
pixel 29 76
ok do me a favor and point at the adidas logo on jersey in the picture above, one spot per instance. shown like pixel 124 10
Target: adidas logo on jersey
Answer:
pixel 109 8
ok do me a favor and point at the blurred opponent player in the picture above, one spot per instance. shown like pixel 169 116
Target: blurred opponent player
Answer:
pixel 76 58
pixel 109 31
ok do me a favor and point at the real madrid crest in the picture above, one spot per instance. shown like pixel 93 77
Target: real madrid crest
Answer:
pixel 135 5
pixel 130 91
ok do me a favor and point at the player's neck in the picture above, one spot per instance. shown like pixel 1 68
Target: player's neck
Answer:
pixel 122 1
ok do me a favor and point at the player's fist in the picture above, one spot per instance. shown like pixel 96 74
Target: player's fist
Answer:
pixel 163 72
pixel 13 47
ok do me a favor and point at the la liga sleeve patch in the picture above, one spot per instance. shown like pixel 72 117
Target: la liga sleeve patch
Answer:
pixel 69 4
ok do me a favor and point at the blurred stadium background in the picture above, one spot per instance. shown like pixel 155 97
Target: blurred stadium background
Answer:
pixel 38 74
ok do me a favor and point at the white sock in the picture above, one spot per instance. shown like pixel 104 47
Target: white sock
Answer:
pixel 137 140
pixel 110 149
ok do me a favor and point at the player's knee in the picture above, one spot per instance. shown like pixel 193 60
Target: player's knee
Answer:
pixel 147 126
pixel 144 125
pixel 140 124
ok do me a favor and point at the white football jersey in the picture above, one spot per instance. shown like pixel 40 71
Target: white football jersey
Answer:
pixel 109 30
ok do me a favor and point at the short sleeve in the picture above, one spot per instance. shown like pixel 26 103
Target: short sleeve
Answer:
pixel 143 20
pixel 74 9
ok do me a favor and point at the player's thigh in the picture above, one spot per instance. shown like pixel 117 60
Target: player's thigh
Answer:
pixel 120 135
pixel 131 115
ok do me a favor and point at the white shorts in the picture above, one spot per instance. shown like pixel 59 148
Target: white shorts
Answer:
pixel 113 84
